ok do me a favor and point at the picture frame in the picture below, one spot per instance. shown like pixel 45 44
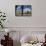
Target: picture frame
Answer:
pixel 23 10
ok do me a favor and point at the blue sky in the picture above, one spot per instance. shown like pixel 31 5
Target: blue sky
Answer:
pixel 19 7
pixel 28 6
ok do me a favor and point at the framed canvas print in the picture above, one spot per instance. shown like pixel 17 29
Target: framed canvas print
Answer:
pixel 23 10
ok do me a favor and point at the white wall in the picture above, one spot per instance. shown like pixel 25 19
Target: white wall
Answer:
pixel 38 18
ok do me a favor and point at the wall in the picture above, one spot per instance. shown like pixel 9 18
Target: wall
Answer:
pixel 38 18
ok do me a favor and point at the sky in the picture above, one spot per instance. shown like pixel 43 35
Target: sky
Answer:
pixel 19 7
